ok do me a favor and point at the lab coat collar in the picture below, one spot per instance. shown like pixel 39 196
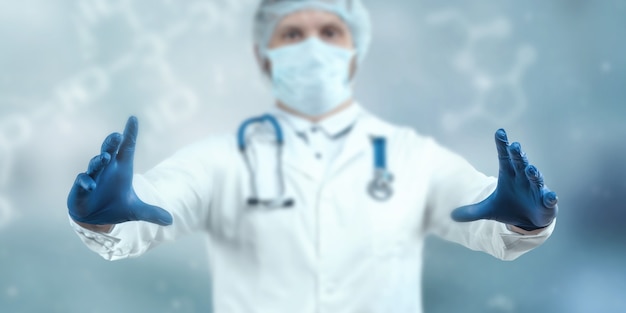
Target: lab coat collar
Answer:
pixel 332 126
pixel 359 141
pixel 338 123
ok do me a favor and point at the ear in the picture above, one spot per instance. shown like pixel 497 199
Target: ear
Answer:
pixel 353 67
pixel 264 64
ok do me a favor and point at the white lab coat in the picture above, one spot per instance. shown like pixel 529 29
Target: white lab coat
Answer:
pixel 337 250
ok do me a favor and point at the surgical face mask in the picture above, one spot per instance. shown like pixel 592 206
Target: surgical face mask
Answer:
pixel 311 77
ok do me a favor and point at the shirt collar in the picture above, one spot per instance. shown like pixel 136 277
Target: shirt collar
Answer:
pixel 332 125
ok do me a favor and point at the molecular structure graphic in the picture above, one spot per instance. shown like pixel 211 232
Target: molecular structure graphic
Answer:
pixel 484 83
pixel 93 81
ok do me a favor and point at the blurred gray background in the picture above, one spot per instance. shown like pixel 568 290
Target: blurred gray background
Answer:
pixel 551 72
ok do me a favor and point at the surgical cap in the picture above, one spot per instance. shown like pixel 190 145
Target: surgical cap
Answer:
pixel 353 13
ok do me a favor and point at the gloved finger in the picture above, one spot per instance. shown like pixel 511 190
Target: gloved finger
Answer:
pixel 97 163
pixel 111 143
pixel 550 199
pixel 85 182
pixel 126 151
pixel 469 213
pixel 519 158
pixel 502 144
pixel 534 176
pixel 152 214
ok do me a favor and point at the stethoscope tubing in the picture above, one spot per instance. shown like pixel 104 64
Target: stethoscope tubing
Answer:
pixel 254 200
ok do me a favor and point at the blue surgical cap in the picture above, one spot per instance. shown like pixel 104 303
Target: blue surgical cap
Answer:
pixel 353 13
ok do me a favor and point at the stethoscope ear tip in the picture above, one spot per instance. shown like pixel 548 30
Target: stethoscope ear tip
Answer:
pixel 288 203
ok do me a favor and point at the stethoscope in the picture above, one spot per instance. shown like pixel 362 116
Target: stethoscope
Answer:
pixel 379 188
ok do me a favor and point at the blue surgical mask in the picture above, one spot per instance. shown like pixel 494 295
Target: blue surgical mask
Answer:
pixel 311 77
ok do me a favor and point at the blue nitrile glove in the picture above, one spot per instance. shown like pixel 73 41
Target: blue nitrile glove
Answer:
pixel 104 194
pixel 520 199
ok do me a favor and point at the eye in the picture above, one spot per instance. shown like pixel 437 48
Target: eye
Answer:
pixel 292 35
pixel 330 33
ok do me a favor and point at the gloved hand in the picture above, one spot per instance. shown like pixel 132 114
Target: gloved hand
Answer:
pixel 520 199
pixel 104 194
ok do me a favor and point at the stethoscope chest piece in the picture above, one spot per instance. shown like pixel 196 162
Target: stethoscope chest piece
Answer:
pixel 380 187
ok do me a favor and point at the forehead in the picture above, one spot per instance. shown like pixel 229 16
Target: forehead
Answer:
pixel 311 19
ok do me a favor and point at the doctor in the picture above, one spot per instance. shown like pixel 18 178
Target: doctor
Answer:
pixel 319 206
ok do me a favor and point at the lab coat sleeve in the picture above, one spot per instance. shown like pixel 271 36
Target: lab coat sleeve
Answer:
pixel 182 185
pixel 454 183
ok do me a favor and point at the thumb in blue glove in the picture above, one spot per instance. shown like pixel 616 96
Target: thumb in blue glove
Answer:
pixel 521 199
pixel 104 194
